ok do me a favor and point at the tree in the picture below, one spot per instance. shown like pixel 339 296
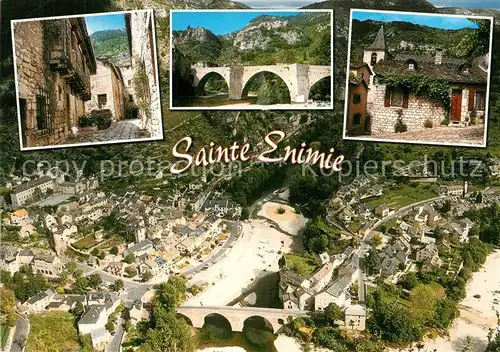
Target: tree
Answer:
pixel 333 312
pixel 446 207
pixel 129 258
pixel 493 342
pixel 70 267
pixel 114 250
pixel 131 271
pixel 118 285
pixel 479 197
pixel 146 276
pixel 7 306
pixel 245 213
pixel 372 260
pixel 94 280
pixel 94 252
pixel 78 309
pixel 101 255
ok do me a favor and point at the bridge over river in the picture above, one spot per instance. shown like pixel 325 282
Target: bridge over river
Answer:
pixel 236 316
pixel 298 78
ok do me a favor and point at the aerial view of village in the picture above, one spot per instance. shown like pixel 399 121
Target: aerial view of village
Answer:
pixel 103 248
pixel 87 80
pixel 252 59
pixel 418 77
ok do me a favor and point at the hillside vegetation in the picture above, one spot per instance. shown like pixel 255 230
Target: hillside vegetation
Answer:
pixel 266 40
pixel 111 44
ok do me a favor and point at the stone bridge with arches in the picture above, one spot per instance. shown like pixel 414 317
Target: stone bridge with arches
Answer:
pixel 236 316
pixel 298 78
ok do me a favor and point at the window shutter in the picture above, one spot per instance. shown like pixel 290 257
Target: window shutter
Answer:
pixel 472 94
pixel 387 102
pixel 406 97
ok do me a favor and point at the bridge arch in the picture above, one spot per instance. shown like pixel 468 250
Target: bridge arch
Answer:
pixel 282 72
pixel 322 87
pixel 266 76
pixel 200 89
pixel 199 73
pixel 185 318
pixel 219 320
pixel 259 322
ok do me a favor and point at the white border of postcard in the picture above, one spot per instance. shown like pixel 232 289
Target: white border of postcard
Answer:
pixel 368 139
pixel 291 107
pixel 88 144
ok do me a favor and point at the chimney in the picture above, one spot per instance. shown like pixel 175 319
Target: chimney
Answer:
pixel 439 56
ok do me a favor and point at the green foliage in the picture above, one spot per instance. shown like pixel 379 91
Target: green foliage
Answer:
pixel 129 258
pixel 394 323
pixel 111 43
pixel 489 222
pixel 100 118
pixel 433 88
pixel 248 187
pixel 24 283
pixel 118 285
pixel 164 331
pixel 131 271
pixel 273 92
pixel 312 47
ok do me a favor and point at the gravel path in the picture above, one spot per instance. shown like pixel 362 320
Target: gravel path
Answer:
pixel 473 135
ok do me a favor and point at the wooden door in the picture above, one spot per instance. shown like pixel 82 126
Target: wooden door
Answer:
pixel 456 105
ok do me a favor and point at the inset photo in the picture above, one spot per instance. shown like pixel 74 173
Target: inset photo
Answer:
pixel 87 80
pixel 251 59
pixel 418 78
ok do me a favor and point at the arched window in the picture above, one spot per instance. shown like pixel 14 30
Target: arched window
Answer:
pixel 374 59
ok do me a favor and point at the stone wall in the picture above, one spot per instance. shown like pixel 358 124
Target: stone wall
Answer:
pixel 419 110
pixel 32 43
pixel 143 57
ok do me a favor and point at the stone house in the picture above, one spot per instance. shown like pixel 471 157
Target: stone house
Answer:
pixel 93 318
pixel 30 191
pixel 140 27
pixel 358 119
pixel 355 317
pixel 38 302
pixel 382 210
pixel 107 90
pixel 48 265
pixel 54 60
pixel 336 292
pixel 387 105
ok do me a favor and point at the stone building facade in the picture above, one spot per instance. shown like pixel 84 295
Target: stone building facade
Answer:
pixel 129 97
pixel 389 104
pixel 107 90
pixel 54 60
pixel 358 120
pixel 140 27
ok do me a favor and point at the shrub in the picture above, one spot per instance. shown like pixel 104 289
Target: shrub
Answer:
pixel 281 210
pixel 100 118
pixel 473 117
pixel 428 123
pixel 400 126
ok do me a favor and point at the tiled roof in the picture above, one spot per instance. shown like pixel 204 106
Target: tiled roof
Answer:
pixel 31 184
pixel 428 59
pixel 450 72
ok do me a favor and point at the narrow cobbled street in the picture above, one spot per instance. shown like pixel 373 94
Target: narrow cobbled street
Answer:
pixel 118 131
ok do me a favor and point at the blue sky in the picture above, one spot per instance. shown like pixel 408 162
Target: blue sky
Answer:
pixel 472 4
pixel 443 22
pixel 102 22
pixel 219 22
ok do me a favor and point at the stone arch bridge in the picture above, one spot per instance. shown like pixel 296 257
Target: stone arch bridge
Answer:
pixel 299 78
pixel 237 316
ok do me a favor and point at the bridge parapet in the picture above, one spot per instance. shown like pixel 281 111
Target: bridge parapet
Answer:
pixel 237 316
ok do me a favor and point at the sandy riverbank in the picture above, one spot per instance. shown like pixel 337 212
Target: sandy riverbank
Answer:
pixel 289 221
pixel 255 251
pixel 477 315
